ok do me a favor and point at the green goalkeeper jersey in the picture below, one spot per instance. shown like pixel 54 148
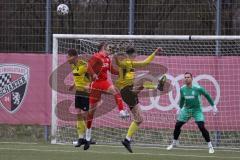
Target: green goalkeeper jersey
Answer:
pixel 191 97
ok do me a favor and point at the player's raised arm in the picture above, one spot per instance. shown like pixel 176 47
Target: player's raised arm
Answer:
pixel 147 60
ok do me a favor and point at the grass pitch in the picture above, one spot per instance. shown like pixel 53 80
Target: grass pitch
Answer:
pixel 34 151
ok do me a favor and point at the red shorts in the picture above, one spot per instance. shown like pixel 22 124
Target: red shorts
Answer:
pixel 97 88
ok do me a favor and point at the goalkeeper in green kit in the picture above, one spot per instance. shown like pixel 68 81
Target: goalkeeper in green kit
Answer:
pixel 190 106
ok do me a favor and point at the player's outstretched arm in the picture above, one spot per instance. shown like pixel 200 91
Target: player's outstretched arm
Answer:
pixel 206 95
pixel 148 60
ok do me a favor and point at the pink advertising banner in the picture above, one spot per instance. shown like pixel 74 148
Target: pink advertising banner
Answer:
pixel 26 97
pixel 25 94
pixel 220 76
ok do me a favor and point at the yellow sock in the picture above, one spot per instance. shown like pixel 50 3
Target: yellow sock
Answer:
pixel 149 85
pixel 81 128
pixel 132 129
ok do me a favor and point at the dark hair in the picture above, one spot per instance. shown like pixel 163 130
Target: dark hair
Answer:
pixel 130 50
pixel 101 45
pixel 188 73
pixel 72 52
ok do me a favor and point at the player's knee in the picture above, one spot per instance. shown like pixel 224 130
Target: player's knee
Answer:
pixel 93 102
pixel 179 125
pixel 201 125
pixel 92 109
pixel 80 117
pixel 90 112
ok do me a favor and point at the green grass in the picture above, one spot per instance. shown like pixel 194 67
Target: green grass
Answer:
pixel 23 133
pixel 27 151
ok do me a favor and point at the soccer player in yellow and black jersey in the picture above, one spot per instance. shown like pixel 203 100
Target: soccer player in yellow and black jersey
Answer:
pixel 125 83
pixel 81 85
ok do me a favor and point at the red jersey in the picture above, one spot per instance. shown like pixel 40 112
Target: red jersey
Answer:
pixel 100 64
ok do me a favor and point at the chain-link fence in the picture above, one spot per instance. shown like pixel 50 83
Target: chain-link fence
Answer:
pixel 23 22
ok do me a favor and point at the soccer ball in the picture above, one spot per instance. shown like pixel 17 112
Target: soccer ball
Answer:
pixel 62 9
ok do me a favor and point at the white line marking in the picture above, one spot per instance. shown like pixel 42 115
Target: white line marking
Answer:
pixel 162 147
pixel 17 143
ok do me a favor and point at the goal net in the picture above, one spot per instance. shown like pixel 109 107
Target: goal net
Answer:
pixel 213 60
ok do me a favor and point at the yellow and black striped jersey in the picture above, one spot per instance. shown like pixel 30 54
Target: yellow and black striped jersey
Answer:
pixel 126 70
pixel 80 75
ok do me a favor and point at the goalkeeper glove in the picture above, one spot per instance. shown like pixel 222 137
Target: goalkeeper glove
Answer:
pixel 215 110
pixel 124 114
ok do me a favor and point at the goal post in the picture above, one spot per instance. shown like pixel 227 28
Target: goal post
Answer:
pixel 213 60
pixel 54 92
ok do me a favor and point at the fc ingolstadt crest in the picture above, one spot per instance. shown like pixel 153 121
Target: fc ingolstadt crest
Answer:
pixel 13 86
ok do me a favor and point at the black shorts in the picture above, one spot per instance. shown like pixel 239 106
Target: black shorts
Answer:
pixel 82 100
pixel 128 96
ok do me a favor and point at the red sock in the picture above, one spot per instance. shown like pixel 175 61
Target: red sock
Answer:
pixel 89 120
pixel 119 101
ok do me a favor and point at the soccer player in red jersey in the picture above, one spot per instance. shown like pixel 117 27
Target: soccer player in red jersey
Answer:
pixel 99 66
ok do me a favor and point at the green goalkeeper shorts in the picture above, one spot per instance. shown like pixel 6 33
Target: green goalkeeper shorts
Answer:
pixel 186 114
